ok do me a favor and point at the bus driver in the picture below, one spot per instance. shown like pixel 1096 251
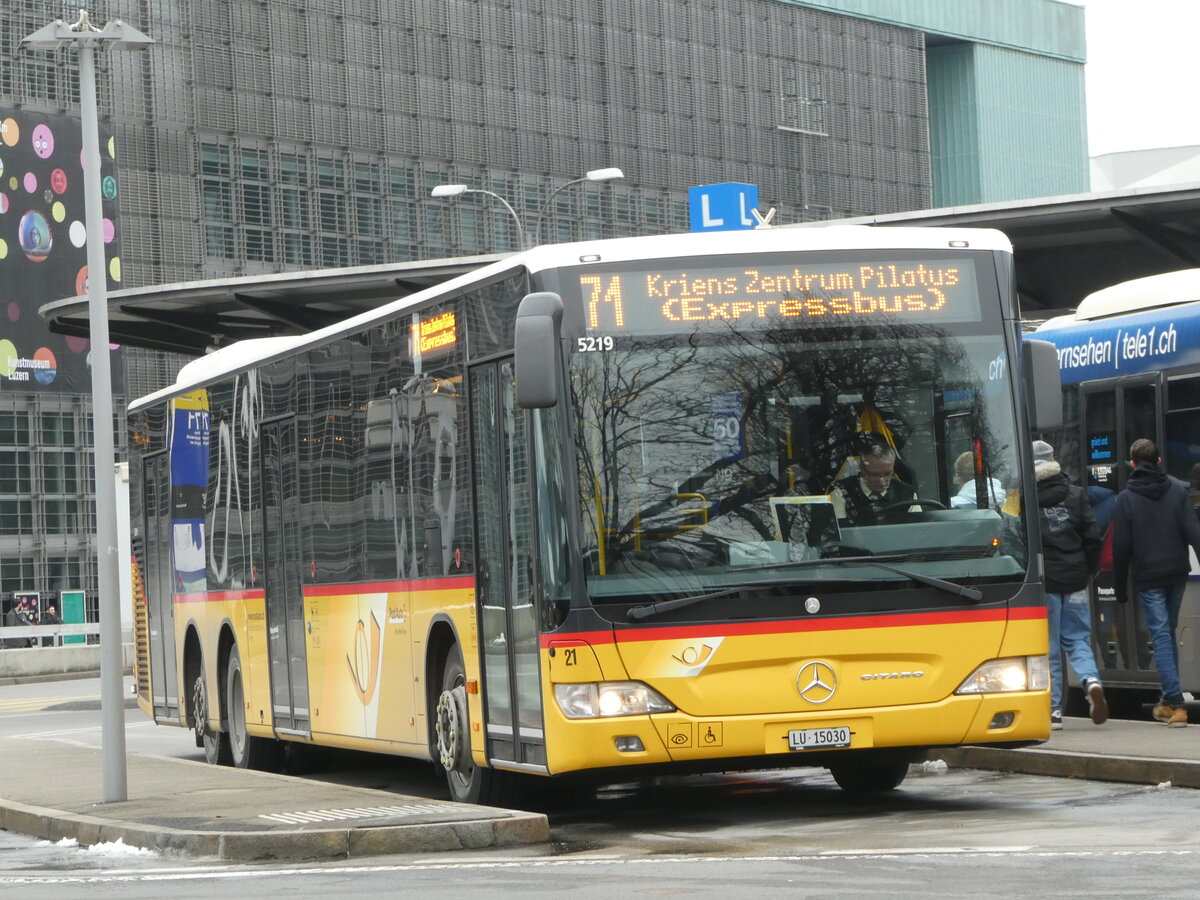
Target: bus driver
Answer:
pixel 861 499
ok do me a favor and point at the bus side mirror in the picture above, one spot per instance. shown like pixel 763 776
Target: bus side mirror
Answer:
pixel 1043 385
pixel 535 346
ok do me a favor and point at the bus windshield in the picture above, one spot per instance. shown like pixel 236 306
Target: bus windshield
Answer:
pixel 737 448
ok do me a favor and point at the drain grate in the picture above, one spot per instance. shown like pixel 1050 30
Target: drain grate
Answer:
pixel 310 816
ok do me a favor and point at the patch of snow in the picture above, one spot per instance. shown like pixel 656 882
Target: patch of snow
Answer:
pixel 116 849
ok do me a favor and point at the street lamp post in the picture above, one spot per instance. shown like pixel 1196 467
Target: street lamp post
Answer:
pixel 457 190
pixel 610 174
pixel 86 38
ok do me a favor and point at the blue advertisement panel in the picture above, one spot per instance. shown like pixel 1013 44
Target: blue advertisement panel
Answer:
pixel 43 246
pixel 725 427
pixel 1146 342
pixel 189 484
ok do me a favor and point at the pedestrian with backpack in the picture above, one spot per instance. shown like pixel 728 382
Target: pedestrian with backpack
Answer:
pixel 1071 551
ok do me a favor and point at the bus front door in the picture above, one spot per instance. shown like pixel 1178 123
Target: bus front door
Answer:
pixel 281 564
pixel 1113 416
pixel 505 590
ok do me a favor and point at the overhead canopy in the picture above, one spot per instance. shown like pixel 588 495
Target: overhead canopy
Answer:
pixel 1066 248
pixel 195 316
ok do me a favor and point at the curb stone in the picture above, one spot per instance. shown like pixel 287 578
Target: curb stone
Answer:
pixel 515 829
pixel 1127 769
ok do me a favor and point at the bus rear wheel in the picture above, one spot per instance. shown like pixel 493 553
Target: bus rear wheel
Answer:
pixel 869 779
pixel 215 743
pixel 245 750
pixel 468 782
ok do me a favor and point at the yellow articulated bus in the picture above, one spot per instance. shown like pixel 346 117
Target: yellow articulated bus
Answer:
pixel 676 503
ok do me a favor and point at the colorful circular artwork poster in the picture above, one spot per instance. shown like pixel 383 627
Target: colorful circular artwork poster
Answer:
pixel 43 247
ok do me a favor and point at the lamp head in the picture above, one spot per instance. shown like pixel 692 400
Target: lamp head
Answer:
pixel 115 35
pixel 448 190
pixel 610 174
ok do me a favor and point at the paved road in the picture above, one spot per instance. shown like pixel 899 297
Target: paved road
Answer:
pixel 945 834
pixel 349 809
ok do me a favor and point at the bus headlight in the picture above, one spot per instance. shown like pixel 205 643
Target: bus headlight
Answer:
pixel 1001 676
pixel 609 698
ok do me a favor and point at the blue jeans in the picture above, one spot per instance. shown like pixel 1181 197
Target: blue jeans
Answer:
pixel 1161 608
pixel 1070 630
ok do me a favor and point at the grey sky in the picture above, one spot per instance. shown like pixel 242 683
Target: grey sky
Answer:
pixel 1142 60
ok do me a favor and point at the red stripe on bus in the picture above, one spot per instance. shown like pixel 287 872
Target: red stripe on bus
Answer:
pixel 455 582
pixel 450 583
pixel 219 596
pixel 841 623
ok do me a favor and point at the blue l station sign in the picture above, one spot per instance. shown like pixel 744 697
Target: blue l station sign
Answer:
pixel 722 207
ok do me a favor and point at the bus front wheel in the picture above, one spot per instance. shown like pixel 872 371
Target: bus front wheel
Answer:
pixel 468 782
pixel 869 779
pixel 215 743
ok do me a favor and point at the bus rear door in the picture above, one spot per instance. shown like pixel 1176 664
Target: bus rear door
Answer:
pixel 283 580
pixel 159 585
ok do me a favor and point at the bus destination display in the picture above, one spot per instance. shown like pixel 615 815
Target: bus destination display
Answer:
pixel 755 296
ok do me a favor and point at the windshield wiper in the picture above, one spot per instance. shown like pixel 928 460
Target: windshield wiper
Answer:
pixel 950 587
pixel 653 609
pixel 882 562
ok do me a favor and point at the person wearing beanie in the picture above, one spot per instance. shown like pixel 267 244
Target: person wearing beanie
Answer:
pixel 1155 556
pixel 1071 545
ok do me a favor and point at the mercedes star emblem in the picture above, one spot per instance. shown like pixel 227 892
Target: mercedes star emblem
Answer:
pixel 816 681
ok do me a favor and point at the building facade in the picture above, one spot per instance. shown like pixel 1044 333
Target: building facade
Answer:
pixel 258 136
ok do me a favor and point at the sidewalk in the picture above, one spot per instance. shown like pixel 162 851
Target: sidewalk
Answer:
pixel 1139 752
pixel 215 811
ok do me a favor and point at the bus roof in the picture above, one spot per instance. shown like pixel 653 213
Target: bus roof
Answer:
pixel 245 355
pixel 1138 294
pixel 1055 322
pixel 240 355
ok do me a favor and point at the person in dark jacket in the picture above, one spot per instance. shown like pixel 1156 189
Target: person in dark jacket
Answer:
pixel 1153 526
pixel 50 617
pixel 16 616
pixel 1071 550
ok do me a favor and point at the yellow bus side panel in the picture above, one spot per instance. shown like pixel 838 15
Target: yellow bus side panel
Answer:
pixel 256 676
pixel 366 659
pixel 347 666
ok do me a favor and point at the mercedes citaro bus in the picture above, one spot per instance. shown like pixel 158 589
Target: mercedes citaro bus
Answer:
pixel 572 513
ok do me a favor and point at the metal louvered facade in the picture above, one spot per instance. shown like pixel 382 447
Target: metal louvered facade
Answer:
pixel 262 136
